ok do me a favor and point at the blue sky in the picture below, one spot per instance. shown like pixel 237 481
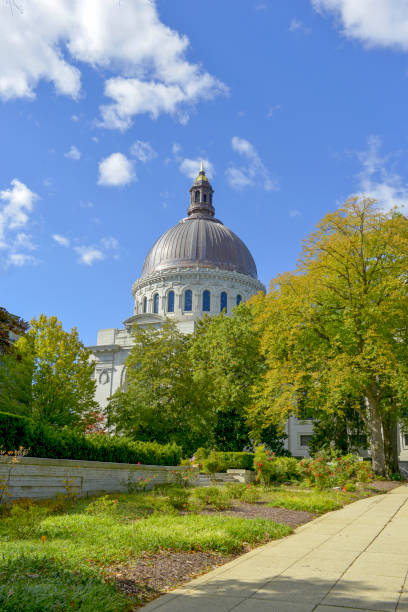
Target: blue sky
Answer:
pixel 106 108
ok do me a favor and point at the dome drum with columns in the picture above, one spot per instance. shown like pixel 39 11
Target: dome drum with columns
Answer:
pixel 197 267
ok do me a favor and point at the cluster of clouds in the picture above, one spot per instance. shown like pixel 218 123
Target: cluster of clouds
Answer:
pixel 118 170
pixel 89 254
pixel 377 181
pixel 145 58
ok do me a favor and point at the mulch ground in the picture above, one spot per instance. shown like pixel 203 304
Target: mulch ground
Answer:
pixel 293 518
pixel 384 485
pixel 151 575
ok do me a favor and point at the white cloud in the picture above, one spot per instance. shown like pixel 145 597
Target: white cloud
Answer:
pixel 116 170
pixel 295 24
pixel 191 167
pixel 20 259
pixel 176 148
pixel 61 240
pixel 75 118
pixel 382 23
pixel 143 151
pixel 294 212
pixel 23 241
pixel 73 153
pixel 88 254
pixel 272 110
pixel 87 204
pixel 378 182
pixel 253 173
pixel 14 213
pixel 50 41
pixel 110 243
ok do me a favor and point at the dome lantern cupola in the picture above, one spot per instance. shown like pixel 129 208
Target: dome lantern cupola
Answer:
pixel 201 194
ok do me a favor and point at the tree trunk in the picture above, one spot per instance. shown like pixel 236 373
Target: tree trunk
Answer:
pixel 390 428
pixel 375 432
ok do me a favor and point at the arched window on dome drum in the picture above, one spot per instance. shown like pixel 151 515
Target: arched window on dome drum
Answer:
pixel 205 197
pixel 170 301
pixel 223 301
pixel 239 299
pixel 197 196
pixel 188 300
pixel 156 303
pixel 206 301
pixel 145 304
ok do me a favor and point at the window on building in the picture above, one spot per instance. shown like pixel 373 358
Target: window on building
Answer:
pixel 188 300
pixel 223 301
pixel 305 439
pixel 197 196
pixel 205 197
pixel 239 299
pixel 145 304
pixel 206 301
pixel 170 302
pixel 156 303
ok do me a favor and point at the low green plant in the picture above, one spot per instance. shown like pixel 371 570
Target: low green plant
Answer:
pixel 251 494
pixel 24 522
pixel 213 497
pixel 178 498
pixel 102 505
pixel 235 490
pixel 137 484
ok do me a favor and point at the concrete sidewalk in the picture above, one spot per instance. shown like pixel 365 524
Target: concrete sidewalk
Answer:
pixel 352 559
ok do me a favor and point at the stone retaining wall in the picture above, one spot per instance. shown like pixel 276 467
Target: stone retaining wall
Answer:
pixel 37 478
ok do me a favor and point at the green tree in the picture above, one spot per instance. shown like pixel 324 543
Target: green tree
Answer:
pixel 161 400
pixel 15 372
pixel 10 324
pixel 337 326
pixel 226 362
pixel 63 387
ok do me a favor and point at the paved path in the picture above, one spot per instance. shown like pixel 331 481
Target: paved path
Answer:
pixel 352 559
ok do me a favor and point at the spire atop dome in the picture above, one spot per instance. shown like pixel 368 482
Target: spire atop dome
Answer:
pixel 201 175
pixel 201 196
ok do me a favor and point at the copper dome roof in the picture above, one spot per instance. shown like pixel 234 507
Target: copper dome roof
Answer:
pixel 200 240
pixel 203 242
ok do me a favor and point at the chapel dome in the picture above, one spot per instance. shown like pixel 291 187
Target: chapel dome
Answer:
pixel 200 240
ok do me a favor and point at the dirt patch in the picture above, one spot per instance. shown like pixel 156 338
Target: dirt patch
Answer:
pixel 153 574
pixel 384 485
pixel 293 518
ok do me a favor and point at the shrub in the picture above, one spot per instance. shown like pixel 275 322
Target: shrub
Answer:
pixel 45 441
pixel 218 461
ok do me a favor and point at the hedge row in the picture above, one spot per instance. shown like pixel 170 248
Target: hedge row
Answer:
pixel 45 441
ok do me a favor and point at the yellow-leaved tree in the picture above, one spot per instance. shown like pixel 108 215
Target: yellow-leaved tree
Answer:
pixel 336 329
pixel 63 387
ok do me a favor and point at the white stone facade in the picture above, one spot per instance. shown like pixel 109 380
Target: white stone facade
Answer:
pixel 113 345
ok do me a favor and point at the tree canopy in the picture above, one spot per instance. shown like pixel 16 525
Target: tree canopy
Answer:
pixel 335 330
pixel 161 401
pixel 62 383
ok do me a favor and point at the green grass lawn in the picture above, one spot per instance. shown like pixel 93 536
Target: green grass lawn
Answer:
pixel 53 559
pixel 308 500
